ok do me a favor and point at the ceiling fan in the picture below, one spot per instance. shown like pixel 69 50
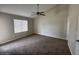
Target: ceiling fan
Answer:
pixel 42 13
pixel 38 13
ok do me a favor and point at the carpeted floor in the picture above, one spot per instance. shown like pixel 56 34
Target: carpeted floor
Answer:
pixel 35 45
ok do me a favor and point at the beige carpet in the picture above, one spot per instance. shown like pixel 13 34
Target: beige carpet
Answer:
pixel 35 45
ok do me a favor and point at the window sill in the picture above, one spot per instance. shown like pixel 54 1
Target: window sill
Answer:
pixel 21 32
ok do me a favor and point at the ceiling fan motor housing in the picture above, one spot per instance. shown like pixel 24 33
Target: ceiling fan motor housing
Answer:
pixel 38 13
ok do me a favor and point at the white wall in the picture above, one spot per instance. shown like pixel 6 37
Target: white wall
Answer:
pixel 7 27
pixel 54 23
pixel 72 27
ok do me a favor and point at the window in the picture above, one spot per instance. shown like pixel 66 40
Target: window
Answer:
pixel 20 25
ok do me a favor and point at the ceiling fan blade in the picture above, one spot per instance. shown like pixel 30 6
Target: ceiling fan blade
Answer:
pixel 33 14
pixel 42 14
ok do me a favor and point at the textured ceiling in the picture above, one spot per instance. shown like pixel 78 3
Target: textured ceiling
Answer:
pixel 24 9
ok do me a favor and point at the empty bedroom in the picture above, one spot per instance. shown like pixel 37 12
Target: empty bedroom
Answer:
pixel 39 29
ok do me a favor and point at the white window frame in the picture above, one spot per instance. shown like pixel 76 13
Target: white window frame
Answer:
pixel 22 30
